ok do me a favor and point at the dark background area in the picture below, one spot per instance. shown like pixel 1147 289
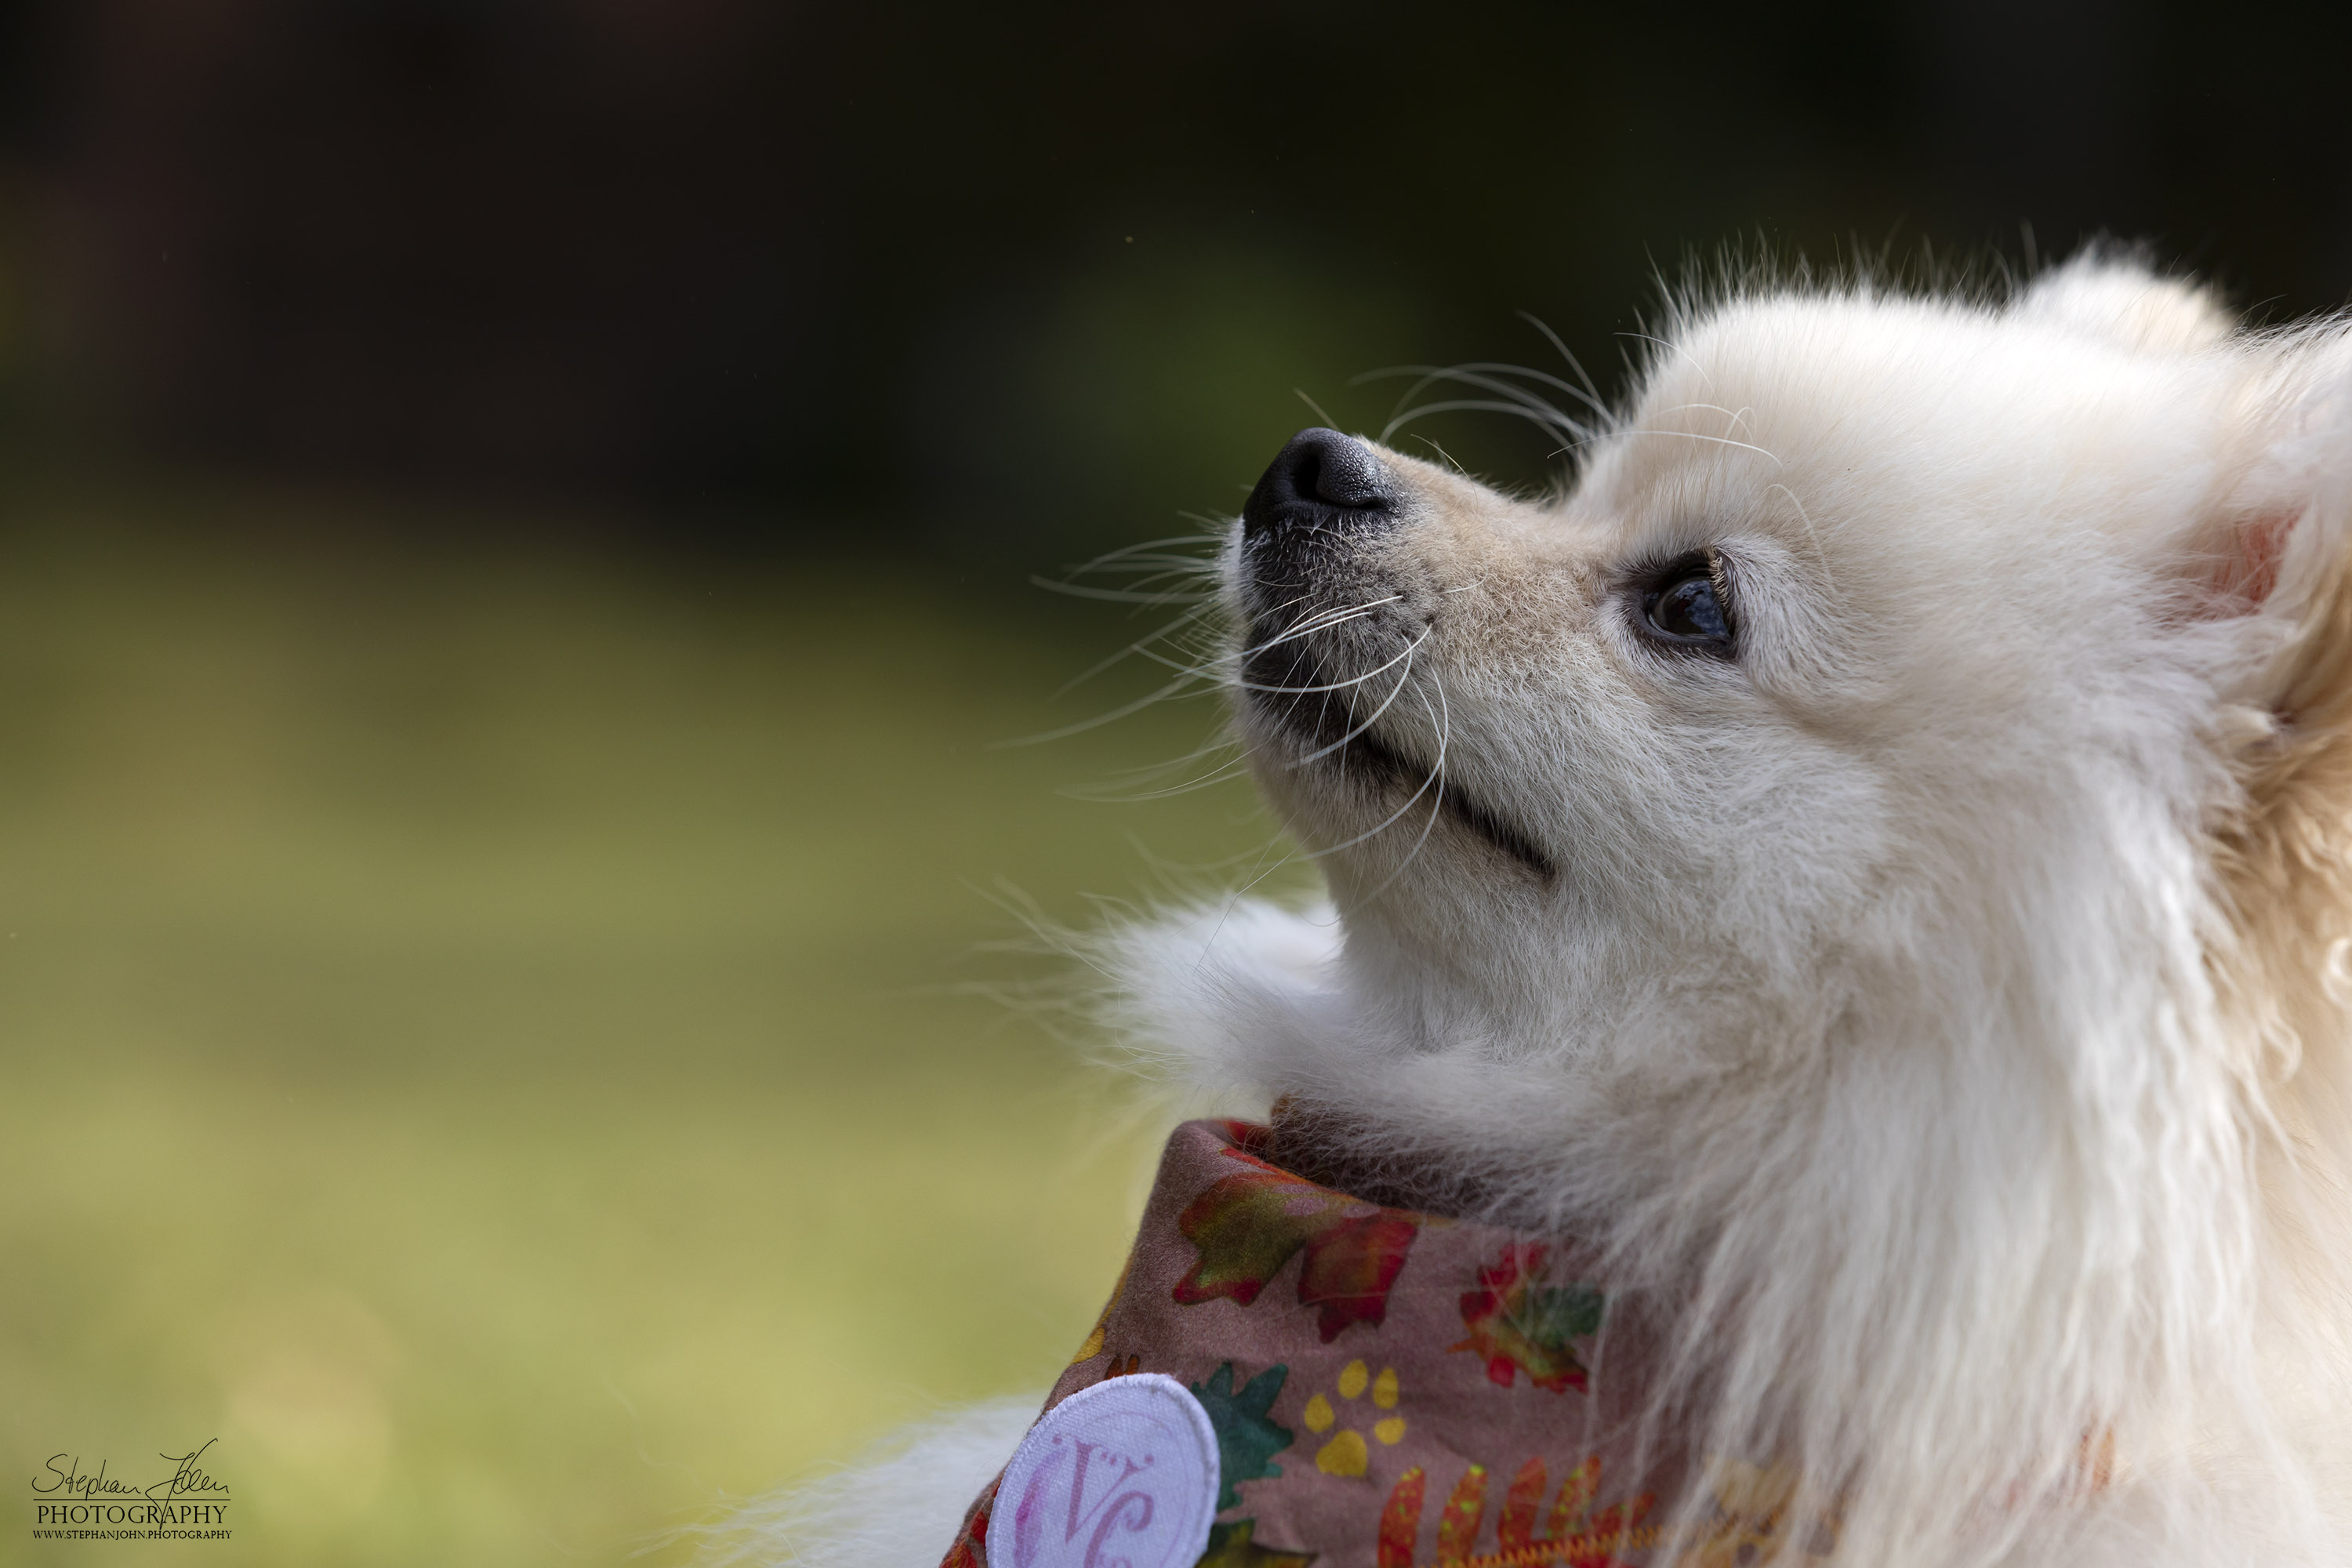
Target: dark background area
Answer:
pixel 752 277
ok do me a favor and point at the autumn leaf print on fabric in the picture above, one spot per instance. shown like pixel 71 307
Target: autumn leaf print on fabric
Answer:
pixel 1573 1534
pixel 1400 1529
pixel 1235 1546
pixel 1457 1526
pixel 1525 1500
pixel 1520 1324
pixel 1248 1225
pixel 1246 1440
pixel 1575 1537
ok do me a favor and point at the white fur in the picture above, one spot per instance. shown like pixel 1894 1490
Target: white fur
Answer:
pixel 1892 1017
pixel 902 1506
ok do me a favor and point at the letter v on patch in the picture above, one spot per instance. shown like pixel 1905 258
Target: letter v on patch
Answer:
pixel 1126 1470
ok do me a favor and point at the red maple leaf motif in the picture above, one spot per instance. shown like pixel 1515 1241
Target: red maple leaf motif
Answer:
pixel 1520 1324
pixel 1248 1225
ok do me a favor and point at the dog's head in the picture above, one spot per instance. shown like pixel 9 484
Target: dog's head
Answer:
pixel 1891 663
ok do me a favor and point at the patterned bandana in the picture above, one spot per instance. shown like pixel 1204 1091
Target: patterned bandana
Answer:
pixel 1381 1388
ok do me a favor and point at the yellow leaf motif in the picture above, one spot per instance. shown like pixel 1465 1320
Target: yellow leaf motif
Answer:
pixel 1344 1455
pixel 1347 1453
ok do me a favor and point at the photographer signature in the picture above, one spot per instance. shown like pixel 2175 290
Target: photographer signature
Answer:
pixel 185 1480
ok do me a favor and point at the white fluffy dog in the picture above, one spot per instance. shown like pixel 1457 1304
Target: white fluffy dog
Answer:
pixel 1872 855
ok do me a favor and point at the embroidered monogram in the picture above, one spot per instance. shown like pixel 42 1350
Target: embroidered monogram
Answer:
pixel 1124 1472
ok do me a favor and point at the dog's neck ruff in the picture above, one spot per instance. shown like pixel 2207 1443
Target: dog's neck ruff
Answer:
pixel 1387 1389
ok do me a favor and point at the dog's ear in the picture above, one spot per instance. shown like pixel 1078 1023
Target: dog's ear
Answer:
pixel 2114 298
pixel 2277 541
pixel 2278 566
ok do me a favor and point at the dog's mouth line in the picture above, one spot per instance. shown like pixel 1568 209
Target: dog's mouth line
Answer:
pixel 1465 809
pixel 1356 753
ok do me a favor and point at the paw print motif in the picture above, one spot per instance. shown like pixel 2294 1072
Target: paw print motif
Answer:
pixel 1346 1453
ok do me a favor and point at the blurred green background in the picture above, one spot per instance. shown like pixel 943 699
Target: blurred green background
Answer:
pixel 516 528
pixel 494 1037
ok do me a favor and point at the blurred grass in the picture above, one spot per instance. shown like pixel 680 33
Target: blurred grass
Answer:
pixel 482 1032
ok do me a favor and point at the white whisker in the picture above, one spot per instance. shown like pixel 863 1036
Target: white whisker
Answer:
pixel 1142 646
pixel 1493 376
pixel 1820 555
pixel 1391 821
pixel 1444 718
pixel 1323 621
pixel 1352 680
pixel 1403 677
pixel 1172 688
pixel 1676 348
pixel 1695 435
pixel 1593 393
pixel 1118 596
pixel 1481 406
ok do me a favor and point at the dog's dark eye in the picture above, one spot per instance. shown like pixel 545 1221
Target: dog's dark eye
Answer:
pixel 1687 609
pixel 1682 604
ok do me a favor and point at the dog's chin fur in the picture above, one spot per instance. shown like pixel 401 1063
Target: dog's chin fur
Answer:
pixel 1935 1010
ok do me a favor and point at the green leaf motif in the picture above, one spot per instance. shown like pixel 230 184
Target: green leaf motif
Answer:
pixel 1246 1440
pixel 1556 1316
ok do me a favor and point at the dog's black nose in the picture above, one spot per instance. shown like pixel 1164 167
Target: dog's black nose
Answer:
pixel 1321 475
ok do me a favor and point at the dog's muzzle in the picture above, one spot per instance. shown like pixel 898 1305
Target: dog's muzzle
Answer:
pixel 1323 496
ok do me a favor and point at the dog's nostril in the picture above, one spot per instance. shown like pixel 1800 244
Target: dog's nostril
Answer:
pixel 1333 477
pixel 1325 466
